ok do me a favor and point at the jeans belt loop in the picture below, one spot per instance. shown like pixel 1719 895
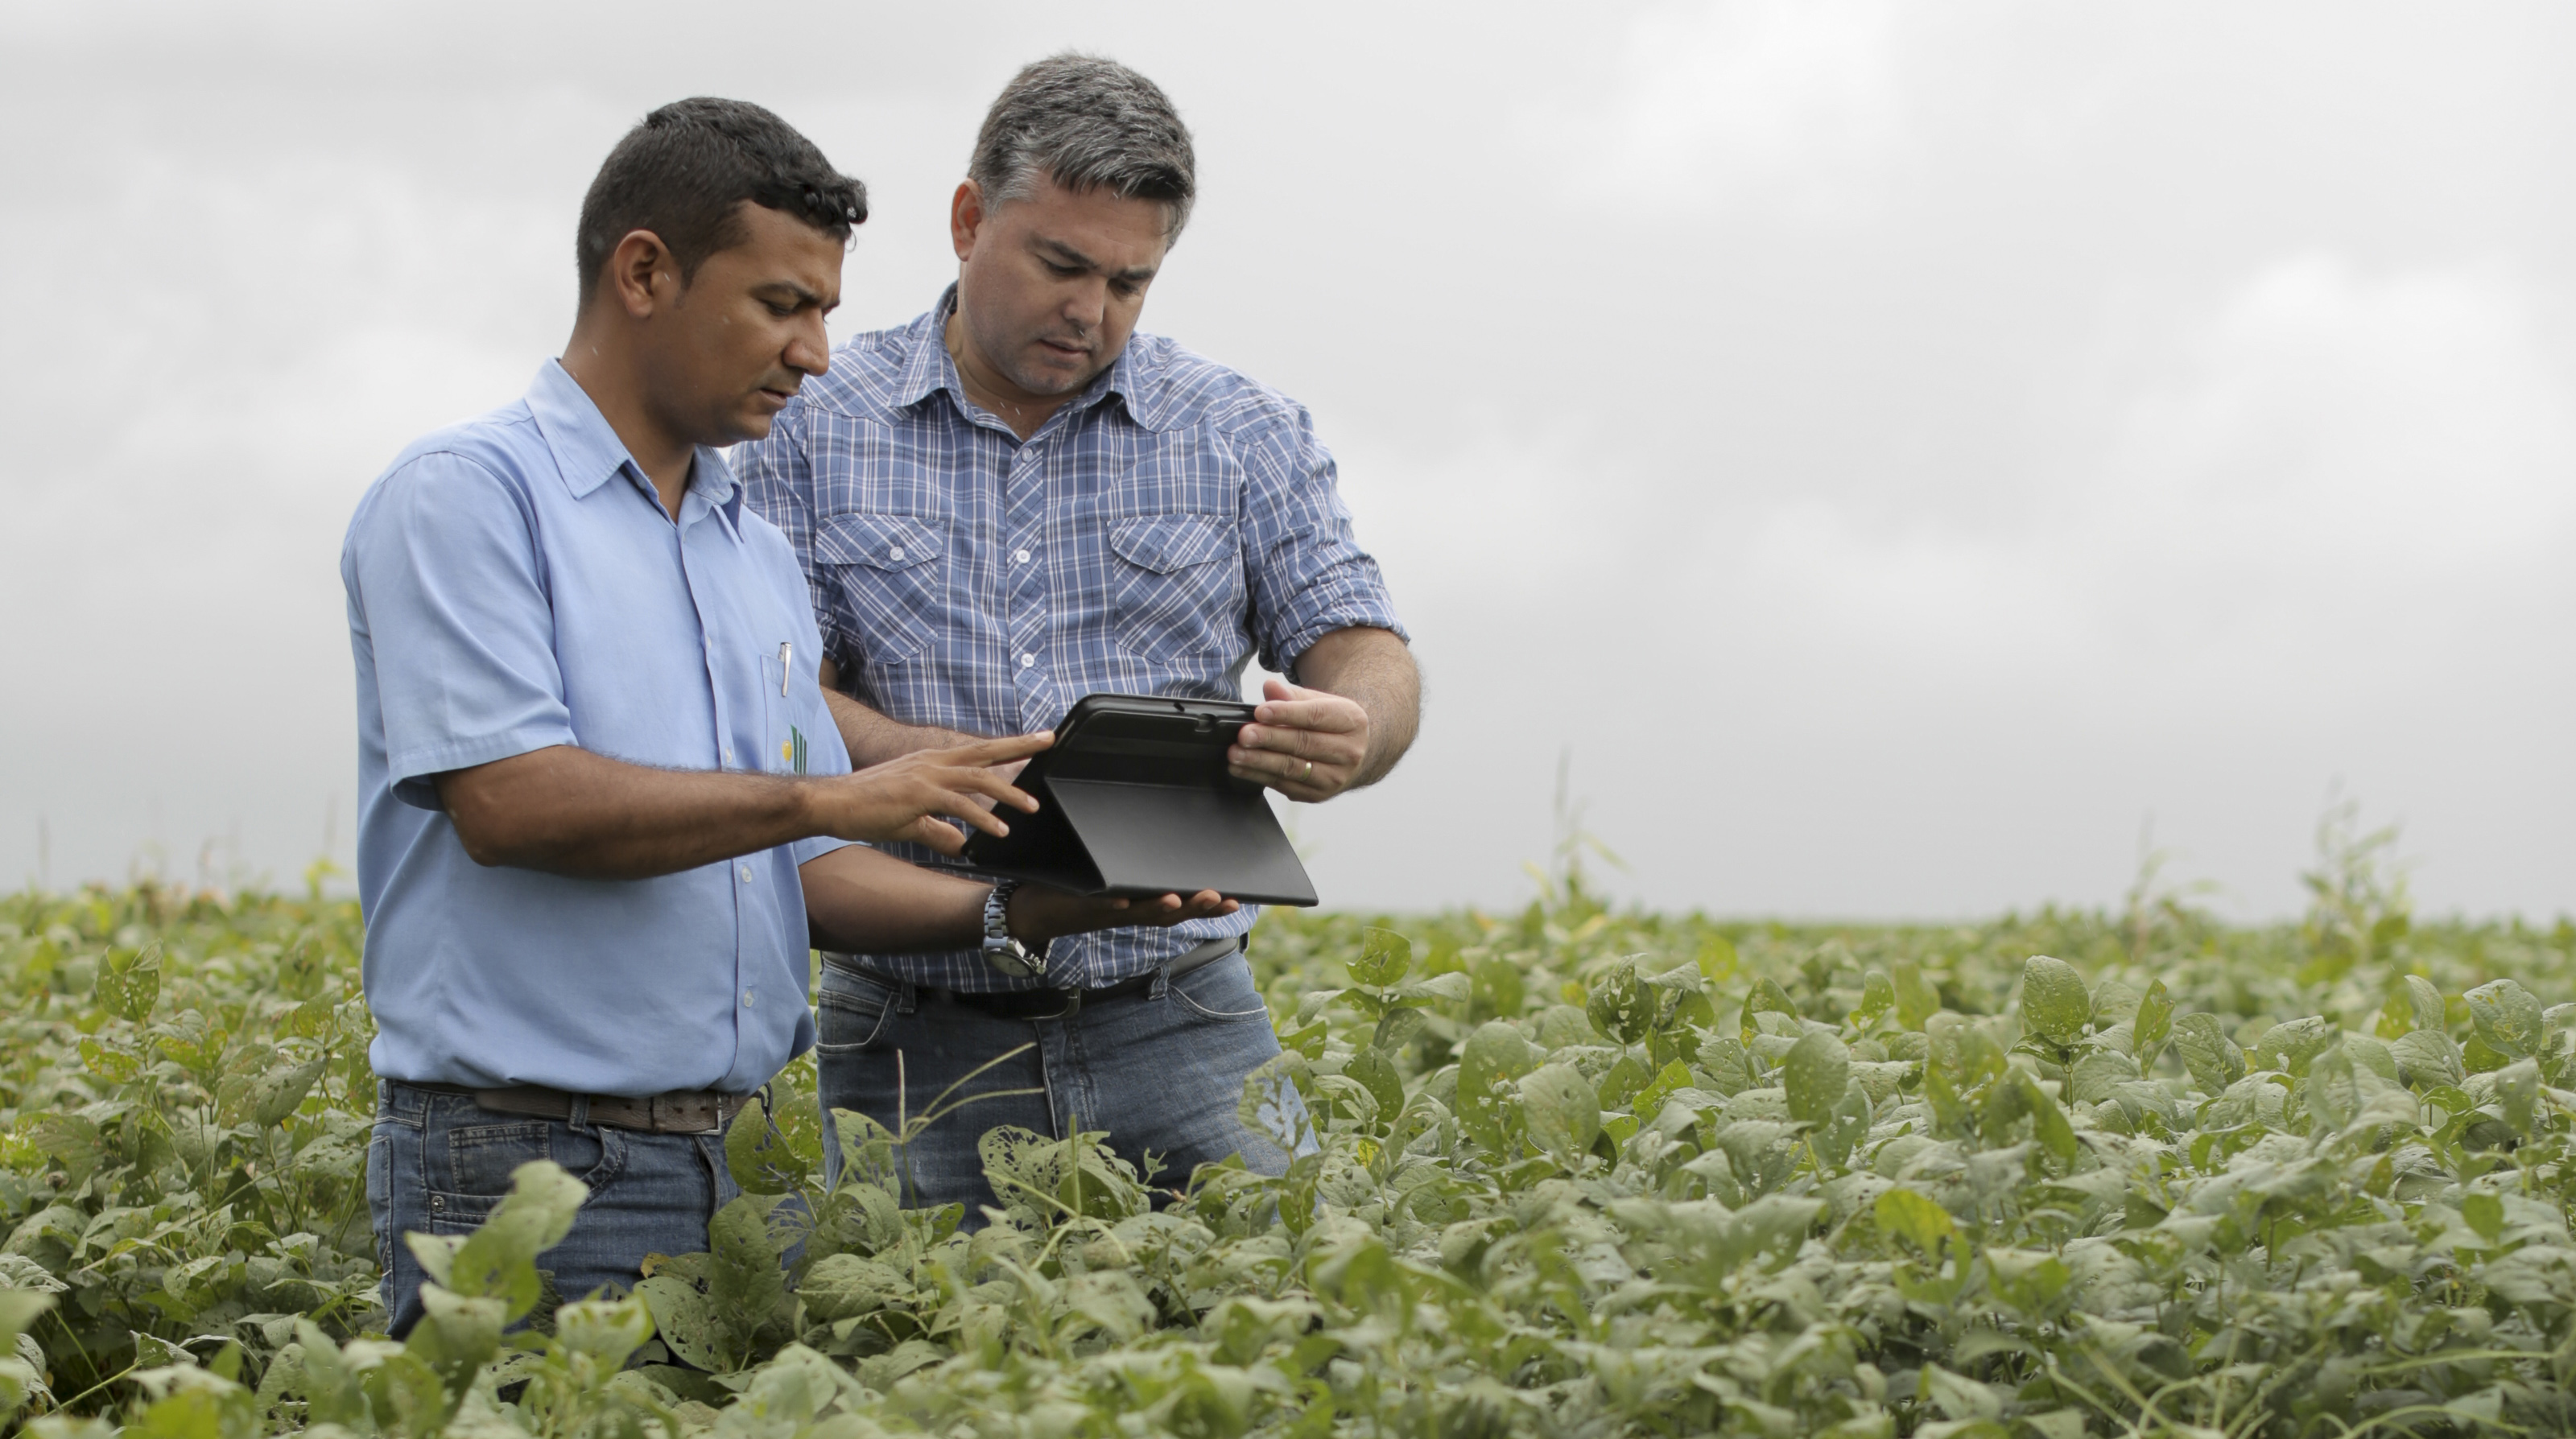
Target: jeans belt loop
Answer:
pixel 906 996
pixel 579 1118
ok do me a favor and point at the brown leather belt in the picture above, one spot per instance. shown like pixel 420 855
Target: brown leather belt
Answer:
pixel 684 1111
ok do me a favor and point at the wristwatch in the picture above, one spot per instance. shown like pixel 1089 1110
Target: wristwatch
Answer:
pixel 1000 950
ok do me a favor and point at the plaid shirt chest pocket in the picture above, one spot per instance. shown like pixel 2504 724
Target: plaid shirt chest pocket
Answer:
pixel 1177 587
pixel 889 580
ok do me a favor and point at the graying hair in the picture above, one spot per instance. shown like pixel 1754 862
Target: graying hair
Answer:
pixel 1088 123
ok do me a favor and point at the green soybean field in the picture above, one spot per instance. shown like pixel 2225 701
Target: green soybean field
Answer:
pixel 1582 1172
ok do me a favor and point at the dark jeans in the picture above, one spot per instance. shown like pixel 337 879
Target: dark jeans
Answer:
pixel 440 1163
pixel 1161 1071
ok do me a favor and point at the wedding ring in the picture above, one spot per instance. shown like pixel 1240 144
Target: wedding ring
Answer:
pixel 1310 770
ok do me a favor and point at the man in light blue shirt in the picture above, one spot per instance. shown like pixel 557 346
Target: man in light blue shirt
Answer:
pixel 604 810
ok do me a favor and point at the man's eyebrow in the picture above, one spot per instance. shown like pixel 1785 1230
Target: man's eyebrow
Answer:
pixel 1081 261
pixel 803 296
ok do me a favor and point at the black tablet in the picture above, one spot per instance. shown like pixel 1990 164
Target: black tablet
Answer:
pixel 1134 799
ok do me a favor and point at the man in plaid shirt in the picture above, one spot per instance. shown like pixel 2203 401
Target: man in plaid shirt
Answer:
pixel 1015 501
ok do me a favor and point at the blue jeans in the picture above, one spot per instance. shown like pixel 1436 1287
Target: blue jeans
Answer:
pixel 440 1163
pixel 1161 1071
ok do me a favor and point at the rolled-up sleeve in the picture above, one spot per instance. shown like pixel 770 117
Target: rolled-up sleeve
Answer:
pixel 446 569
pixel 1308 574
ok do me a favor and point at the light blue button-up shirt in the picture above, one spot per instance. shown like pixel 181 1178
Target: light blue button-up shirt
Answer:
pixel 514 583
pixel 1150 537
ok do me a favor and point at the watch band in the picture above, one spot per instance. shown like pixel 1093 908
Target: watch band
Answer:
pixel 1000 950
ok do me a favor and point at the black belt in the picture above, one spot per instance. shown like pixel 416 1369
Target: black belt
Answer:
pixel 682 1111
pixel 1036 1004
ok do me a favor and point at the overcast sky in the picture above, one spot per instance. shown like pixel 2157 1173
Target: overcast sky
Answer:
pixel 1893 450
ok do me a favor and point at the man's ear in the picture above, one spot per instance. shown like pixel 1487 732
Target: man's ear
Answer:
pixel 641 274
pixel 965 216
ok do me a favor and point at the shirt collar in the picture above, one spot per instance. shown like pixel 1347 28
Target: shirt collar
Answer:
pixel 587 451
pixel 930 370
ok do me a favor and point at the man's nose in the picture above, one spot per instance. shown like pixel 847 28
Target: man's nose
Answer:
pixel 1087 305
pixel 809 351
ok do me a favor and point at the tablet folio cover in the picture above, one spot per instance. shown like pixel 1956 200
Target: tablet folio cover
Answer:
pixel 1134 799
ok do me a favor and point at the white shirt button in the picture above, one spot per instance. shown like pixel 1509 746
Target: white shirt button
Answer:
pixel 746 998
pixel 1027 660
pixel 895 554
pixel 745 872
pixel 1019 557
pixel 728 754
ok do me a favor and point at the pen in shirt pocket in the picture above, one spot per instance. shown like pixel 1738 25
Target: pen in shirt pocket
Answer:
pixel 786 653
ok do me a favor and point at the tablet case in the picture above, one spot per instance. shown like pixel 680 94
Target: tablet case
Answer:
pixel 1134 799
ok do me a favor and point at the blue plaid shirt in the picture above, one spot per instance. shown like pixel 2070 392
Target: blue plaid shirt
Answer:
pixel 1152 535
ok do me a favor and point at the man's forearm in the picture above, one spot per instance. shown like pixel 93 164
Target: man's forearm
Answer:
pixel 567 811
pixel 859 900
pixel 870 737
pixel 1375 670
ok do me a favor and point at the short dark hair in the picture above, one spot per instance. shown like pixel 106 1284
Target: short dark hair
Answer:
pixel 684 172
pixel 1087 123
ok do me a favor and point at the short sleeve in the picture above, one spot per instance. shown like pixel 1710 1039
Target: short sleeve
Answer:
pixel 1308 574
pixel 445 569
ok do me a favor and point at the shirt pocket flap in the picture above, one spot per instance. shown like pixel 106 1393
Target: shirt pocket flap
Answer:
pixel 1168 543
pixel 882 542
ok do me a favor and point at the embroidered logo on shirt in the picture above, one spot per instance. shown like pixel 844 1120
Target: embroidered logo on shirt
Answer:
pixel 791 750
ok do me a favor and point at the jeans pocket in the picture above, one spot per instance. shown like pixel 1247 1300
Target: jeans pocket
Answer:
pixel 470 1157
pixel 1221 992
pixel 851 1011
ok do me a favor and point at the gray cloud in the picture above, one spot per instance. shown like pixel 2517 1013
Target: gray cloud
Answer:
pixel 1892 449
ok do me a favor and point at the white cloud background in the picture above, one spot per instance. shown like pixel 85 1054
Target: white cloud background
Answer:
pixel 1893 449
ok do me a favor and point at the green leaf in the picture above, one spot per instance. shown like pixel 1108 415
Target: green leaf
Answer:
pixel 2054 1002
pixel 1767 998
pixel 2517 1090
pixel 2048 1122
pixel 129 985
pixel 746 1284
pixel 1728 1066
pixel 1916 1000
pixel 759 1156
pixel 1621 1005
pixel 2213 1059
pixel 1396 1030
pixel 1816 1073
pixel 608 1330
pixel 1877 997
pixel 498 1260
pixel 2429 1057
pixel 1495 1055
pixel 1495 990
pixel 1375 1074
pixel 2426 1002
pixel 2152 1024
pixel 2484 1213
pixel 1384 957
pixel 281 1090
pixel 1452 987
pixel 1564 1114
pixel 2507 1017
pixel 1272 1102
pixel 1915 1218
pixel 845 1286
pixel 682 1321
